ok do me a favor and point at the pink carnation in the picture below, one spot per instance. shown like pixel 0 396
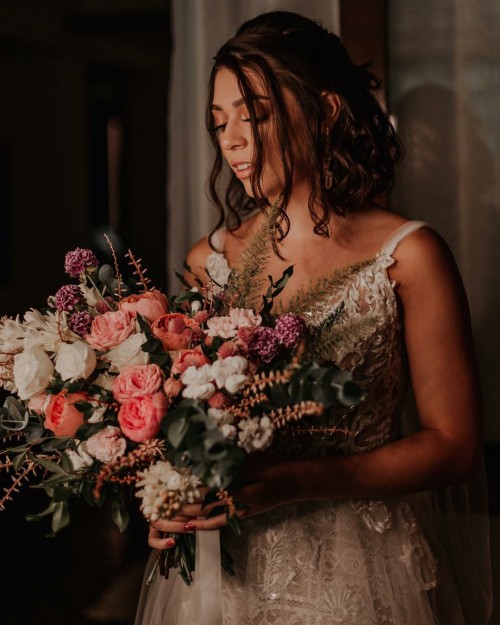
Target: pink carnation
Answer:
pixel 140 417
pixel 137 380
pixel 107 444
pixel 110 330
pixel 229 348
pixel 244 317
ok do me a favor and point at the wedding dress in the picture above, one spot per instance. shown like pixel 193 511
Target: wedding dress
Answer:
pixel 415 560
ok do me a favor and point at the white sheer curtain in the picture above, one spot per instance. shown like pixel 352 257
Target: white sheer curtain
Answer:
pixel 444 61
pixel 199 28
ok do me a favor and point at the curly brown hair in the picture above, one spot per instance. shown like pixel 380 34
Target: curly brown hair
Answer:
pixel 288 51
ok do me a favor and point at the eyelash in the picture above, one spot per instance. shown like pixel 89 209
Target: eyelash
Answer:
pixel 243 119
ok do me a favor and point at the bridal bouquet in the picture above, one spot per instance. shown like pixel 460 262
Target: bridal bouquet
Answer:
pixel 117 389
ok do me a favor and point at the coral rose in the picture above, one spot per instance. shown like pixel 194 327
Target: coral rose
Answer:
pixel 110 329
pixel 152 305
pixel 189 358
pixel 136 380
pixel 140 417
pixel 176 331
pixel 62 417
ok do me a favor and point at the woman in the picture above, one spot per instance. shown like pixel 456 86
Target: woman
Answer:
pixel 334 532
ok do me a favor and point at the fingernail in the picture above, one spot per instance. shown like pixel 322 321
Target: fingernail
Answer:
pixel 170 542
pixel 190 527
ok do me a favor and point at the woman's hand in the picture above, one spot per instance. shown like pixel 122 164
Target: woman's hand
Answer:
pixel 267 486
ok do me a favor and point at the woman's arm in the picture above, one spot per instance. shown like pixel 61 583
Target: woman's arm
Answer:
pixel 446 388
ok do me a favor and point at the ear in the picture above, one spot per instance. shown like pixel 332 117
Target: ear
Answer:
pixel 332 107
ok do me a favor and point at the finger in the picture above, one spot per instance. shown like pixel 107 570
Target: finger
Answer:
pixel 157 540
pixel 172 526
pixel 213 523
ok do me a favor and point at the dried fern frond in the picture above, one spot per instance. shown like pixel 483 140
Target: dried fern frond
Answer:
pixel 139 271
pixel 139 458
pixel 266 379
pixel 246 280
pixel 324 341
pixel 18 479
pixel 117 267
pixel 296 412
pixel 306 298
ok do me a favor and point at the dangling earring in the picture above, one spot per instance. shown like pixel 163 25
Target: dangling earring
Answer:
pixel 327 172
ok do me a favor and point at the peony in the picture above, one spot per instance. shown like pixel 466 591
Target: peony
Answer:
pixel 106 445
pixel 75 360
pixel 128 353
pixel 189 358
pixel 176 331
pixel 136 380
pixel 61 416
pixel 140 417
pixel 110 329
pixel 33 371
pixel 152 305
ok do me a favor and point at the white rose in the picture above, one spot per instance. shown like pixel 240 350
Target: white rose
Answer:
pixel 128 353
pixel 33 370
pixel 199 391
pixel 79 458
pixel 75 360
pixel 235 382
pixel 222 369
pixel 106 445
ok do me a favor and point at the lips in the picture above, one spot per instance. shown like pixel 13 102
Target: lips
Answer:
pixel 242 169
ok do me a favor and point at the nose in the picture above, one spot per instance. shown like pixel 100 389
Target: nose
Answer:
pixel 234 136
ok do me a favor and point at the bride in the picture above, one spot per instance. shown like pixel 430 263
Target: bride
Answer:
pixel 369 527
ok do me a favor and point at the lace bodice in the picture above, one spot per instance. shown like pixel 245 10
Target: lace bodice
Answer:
pixel 367 340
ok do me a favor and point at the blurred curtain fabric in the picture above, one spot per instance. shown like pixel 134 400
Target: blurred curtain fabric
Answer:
pixel 199 28
pixel 444 78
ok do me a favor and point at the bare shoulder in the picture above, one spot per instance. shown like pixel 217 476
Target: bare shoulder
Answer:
pixel 426 266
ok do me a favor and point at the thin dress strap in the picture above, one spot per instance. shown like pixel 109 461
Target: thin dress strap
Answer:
pixel 397 236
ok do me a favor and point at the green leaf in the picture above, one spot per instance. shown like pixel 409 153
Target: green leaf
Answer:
pixel 40 515
pixel 49 465
pixel 120 515
pixel 34 433
pixel 152 345
pixel 60 516
pixel 18 460
pixel 233 522
pixel 216 511
pixel 176 431
pixel 52 444
pixel 143 325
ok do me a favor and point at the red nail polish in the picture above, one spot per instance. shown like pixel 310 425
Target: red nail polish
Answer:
pixel 190 527
pixel 170 542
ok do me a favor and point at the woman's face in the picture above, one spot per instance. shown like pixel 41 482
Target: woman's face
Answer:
pixel 234 132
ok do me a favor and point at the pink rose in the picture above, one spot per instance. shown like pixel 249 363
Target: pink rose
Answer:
pixel 152 305
pixel 189 358
pixel 140 417
pixel 110 329
pixel 62 417
pixel 137 380
pixel 172 387
pixel 39 403
pixel 106 445
pixel 176 331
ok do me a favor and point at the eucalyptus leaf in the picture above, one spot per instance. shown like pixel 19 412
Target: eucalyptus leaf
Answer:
pixel 19 460
pixel 44 513
pixel 60 516
pixel 176 431
pixel 49 465
pixel 51 444
pixel 120 515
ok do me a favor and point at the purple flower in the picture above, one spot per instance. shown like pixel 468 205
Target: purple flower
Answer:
pixel 68 297
pixel 80 322
pixel 77 262
pixel 290 329
pixel 263 345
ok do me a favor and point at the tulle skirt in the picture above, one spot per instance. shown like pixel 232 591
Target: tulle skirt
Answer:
pixel 421 560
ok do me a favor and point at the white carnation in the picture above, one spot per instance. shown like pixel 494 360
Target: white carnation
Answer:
pixel 197 375
pixel 106 445
pixel 199 391
pixel 235 382
pixel 79 457
pixel 255 433
pixel 224 368
pixel 75 360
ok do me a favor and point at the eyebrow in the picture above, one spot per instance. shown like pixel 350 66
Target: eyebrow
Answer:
pixel 239 102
